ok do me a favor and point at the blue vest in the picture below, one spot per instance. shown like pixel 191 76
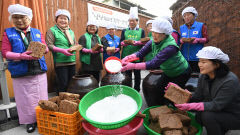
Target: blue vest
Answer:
pixel 18 68
pixel 112 43
pixel 189 51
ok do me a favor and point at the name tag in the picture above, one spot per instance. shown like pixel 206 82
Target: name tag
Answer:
pixel 109 42
pixel 38 35
pixel 184 34
pixel 195 32
pixel 13 35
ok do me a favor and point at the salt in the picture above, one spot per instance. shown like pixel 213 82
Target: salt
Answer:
pixel 113 66
pixel 112 109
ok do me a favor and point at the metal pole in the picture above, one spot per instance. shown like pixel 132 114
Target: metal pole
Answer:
pixel 5 95
pixel 4 88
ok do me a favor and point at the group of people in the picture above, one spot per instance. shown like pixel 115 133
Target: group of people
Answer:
pixel 216 100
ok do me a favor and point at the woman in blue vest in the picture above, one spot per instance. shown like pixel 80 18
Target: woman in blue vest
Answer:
pixel 110 40
pixel 91 60
pixel 60 38
pixel 195 30
pixel 217 98
pixel 167 57
pixel 28 73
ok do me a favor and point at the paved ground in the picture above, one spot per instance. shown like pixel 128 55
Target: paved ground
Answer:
pixel 20 129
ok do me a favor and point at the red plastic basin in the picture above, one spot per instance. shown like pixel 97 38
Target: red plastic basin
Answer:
pixel 130 129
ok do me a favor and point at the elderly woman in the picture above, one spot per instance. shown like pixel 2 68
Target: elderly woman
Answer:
pixel 195 30
pixel 167 57
pixel 217 98
pixel 60 38
pixel 28 73
pixel 109 41
pixel 91 60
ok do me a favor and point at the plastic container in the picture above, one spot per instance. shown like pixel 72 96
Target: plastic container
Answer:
pixel 130 129
pixel 105 91
pixel 151 132
pixel 112 58
pixel 56 123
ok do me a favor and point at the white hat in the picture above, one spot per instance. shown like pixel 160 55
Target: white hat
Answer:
pixel 133 13
pixel 63 12
pixel 20 10
pixel 111 26
pixel 162 26
pixel 168 19
pixel 211 52
pixel 92 22
pixel 191 10
pixel 148 22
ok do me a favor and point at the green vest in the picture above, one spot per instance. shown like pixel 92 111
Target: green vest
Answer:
pixel 149 56
pixel 86 57
pixel 134 35
pixel 61 41
pixel 176 64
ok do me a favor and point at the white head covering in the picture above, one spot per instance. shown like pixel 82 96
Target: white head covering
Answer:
pixel 211 52
pixel 191 10
pixel 92 22
pixel 133 13
pixel 20 10
pixel 148 22
pixel 111 26
pixel 162 26
pixel 63 12
pixel 168 18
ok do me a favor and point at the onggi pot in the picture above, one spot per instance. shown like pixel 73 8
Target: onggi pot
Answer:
pixel 82 84
pixel 150 87
pixel 118 79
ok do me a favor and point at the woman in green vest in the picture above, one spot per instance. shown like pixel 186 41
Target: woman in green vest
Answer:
pixel 167 57
pixel 59 39
pixel 91 60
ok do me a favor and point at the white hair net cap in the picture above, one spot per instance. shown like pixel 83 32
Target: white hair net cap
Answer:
pixel 211 52
pixel 63 12
pixel 133 13
pixel 92 22
pixel 20 10
pixel 162 26
pixel 111 26
pixel 168 18
pixel 148 22
pixel 191 10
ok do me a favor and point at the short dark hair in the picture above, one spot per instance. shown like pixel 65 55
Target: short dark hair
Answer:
pixel 222 70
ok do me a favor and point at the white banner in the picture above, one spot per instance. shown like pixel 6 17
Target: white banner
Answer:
pixel 104 16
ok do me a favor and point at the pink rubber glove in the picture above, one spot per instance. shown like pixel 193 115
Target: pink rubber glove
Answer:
pixel 137 43
pixel 191 106
pixel 117 50
pixel 199 40
pixel 181 41
pixel 61 50
pixel 131 66
pixel 123 44
pixel 100 51
pixel 20 56
pixel 128 58
pixel 89 51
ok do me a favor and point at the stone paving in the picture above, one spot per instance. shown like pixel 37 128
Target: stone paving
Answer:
pixel 20 129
